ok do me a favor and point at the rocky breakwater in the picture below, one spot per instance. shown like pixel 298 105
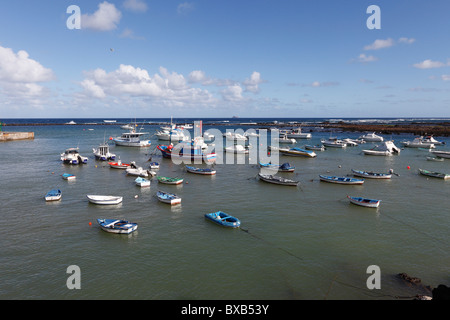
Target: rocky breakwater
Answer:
pixel 12 136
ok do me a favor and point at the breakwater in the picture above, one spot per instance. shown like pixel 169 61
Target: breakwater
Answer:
pixel 11 136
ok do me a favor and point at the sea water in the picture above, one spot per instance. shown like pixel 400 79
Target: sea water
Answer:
pixel 305 242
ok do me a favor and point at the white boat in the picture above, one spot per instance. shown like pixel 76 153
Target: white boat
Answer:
pixel 142 182
pixel 237 149
pixel 297 152
pixel 371 137
pixel 368 203
pixel 350 142
pixel 68 176
pixel 430 139
pixel 104 200
pixel 315 147
pixel 134 170
pixel 169 198
pixel 333 142
pixel 386 149
pixel 174 135
pixel 129 126
pixel 435 159
pixel 102 153
pixel 441 154
pixel 53 195
pixel 72 156
pixel 418 143
pixel 296 134
pixel 117 226
pixel 71 122
pixel 234 136
pixel 285 139
pixel 372 175
pixel 132 139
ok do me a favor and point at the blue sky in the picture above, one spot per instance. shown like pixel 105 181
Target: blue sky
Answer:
pixel 210 58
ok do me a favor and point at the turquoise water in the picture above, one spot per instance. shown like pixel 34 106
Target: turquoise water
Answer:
pixel 306 242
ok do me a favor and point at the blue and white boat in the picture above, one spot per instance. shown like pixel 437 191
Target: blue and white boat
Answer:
pixel 68 176
pixel 102 153
pixel 72 156
pixel 223 219
pixel 369 203
pixel 132 139
pixel 117 226
pixel 169 198
pixel 371 175
pixel 142 182
pixel 285 167
pixel 297 152
pixel 53 195
pixel 186 154
pixel 341 180
pixel 205 171
pixel 154 165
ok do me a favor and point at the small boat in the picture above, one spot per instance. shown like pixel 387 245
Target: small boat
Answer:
pixel 341 180
pixel 418 143
pixel 239 149
pixel 53 195
pixel 371 137
pixel 205 171
pixel 333 142
pixel 350 142
pixel 174 135
pixel 129 126
pixel 119 165
pixel 442 154
pixel 102 153
pixel 223 219
pixel 435 159
pixel 386 149
pixel 431 140
pixel 297 152
pixel 277 180
pixel 369 203
pixel 117 226
pixel 183 154
pixel 154 165
pixel 285 167
pixel 284 139
pixel 168 180
pixel 68 176
pixel 316 147
pixel 132 139
pixel 371 175
pixel 434 174
pixel 104 200
pixel 297 134
pixel 234 136
pixel 71 156
pixel 133 170
pixel 142 182
pixel 169 198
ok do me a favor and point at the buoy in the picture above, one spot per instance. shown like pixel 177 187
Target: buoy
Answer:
pixel 408 167
pixel 136 196
pixel 90 223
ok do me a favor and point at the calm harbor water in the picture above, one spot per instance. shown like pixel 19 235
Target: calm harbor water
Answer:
pixel 306 242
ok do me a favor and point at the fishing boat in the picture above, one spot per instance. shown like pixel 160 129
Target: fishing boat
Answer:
pixel 434 174
pixel 72 156
pixel 142 182
pixel 277 180
pixel 119 165
pixel 234 136
pixel 174 135
pixel 205 171
pixel 238 149
pixel 430 139
pixel 53 195
pixel 371 137
pixel 386 149
pixel 371 175
pixel 418 143
pixel 132 139
pixel 285 167
pixel 297 152
pixel 169 198
pixel 154 165
pixel 285 139
pixel 297 134
pixel 186 153
pixel 442 154
pixel 134 170
pixel 435 159
pixel 68 176
pixel 316 147
pixel 117 226
pixel 341 180
pixel 102 153
pixel 350 142
pixel 168 180
pixel 104 200
pixel 369 203
pixel 223 219
pixel 333 142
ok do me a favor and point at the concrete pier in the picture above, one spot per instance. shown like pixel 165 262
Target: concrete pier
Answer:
pixel 11 136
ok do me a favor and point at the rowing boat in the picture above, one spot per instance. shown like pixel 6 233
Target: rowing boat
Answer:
pixel 341 180
pixel 168 180
pixel 205 171
pixel 434 174
pixel 223 219
pixel 371 175
pixel 369 203
pixel 277 180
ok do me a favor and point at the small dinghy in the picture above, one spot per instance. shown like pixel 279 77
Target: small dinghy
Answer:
pixel 223 219
pixel 371 175
pixel 341 180
pixel 119 165
pixel 53 195
pixel 104 200
pixel 154 165
pixel 277 180
pixel 369 203
pixel 297 152
pixel 205 171
pixel 68 176
pixel 169 198
pixel 435 159
pixel 434 174
pixel 316 147
pixel 168 180
pixel 117 226
pixel 285 167
pixel 142 182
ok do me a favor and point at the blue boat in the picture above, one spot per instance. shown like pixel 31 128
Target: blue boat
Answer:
pixel 341 180
pixel 297 152
pixel 207 171
pixel 117 226
pixel 53 195
pixel 223 219
pixel 68 176
pixel 169 198
pixel 285 167
pixel 188 154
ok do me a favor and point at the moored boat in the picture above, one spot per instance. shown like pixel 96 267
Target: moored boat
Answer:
pixel 418 143
pixel 186 154
pixel 205 171
pixel 316 147
pixel 434 174
pixel 103 153
pixel 239 149
pixel 68 176
pixel 53 195
pixel 369 203
pixel 333 142
pixel 297 152
pixel 285 167
pixel 154 165
pixel 169 198
pixel 371 137
pixel 371 175
pixel 341 180
pixel 117 226
pixel 168 180
pixel 386 149
pixel 142 182
pixel 119 165
pixel 435 159
pixel 104 200
pixel 132 139
pixel 72 156
pixel 297 133
pixel 442 154
pixel 277 180
pixel 223 219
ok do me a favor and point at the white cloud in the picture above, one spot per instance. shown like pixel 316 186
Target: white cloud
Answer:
pixel 317 84
pixel 135 5
pixel 406 40
pixel 185 7
pixel 445 77
pixel 252 84
pixel 429 64
pixel 364 59
pixel 197 76
pixel 106 18
pixel 380 44
pixel 232 93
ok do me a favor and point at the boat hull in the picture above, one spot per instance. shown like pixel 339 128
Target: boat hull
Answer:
pixel 117 226
pixel 442 154
pixel 166 180
pixel 223 219
pixel 368 203
pixel 53 195
pixel 104 200
pixel 297 152
pixel 434 174
pixel 168 198
pixel 371 175
pixel 341 180
pixel 278 180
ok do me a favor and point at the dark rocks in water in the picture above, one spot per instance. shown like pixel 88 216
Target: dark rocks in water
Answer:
pixel 442 292
pixel 409 279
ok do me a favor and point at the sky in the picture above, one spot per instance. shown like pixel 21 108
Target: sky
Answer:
pixel 217 58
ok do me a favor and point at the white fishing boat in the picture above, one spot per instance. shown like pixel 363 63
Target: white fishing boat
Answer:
pixel 68 176
pixel 117 226
pixel 53 195
pixel 298 134
pixel 238 149
pixel 132 139
pixel 174 135
pixel 234 136
pixel 371 137
pixel 168 198
pixel 103 153
pixel 298 152
pixel 130 126
pixel 441 154
pixel 350 142
pixel 418 143
pixel 104 200
pixel 315 147
pixel 386 149
pixel 285 139
pixel 430 139
pixel 333 142
pixel 134 170
pixel 142 182
pixel 72 156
